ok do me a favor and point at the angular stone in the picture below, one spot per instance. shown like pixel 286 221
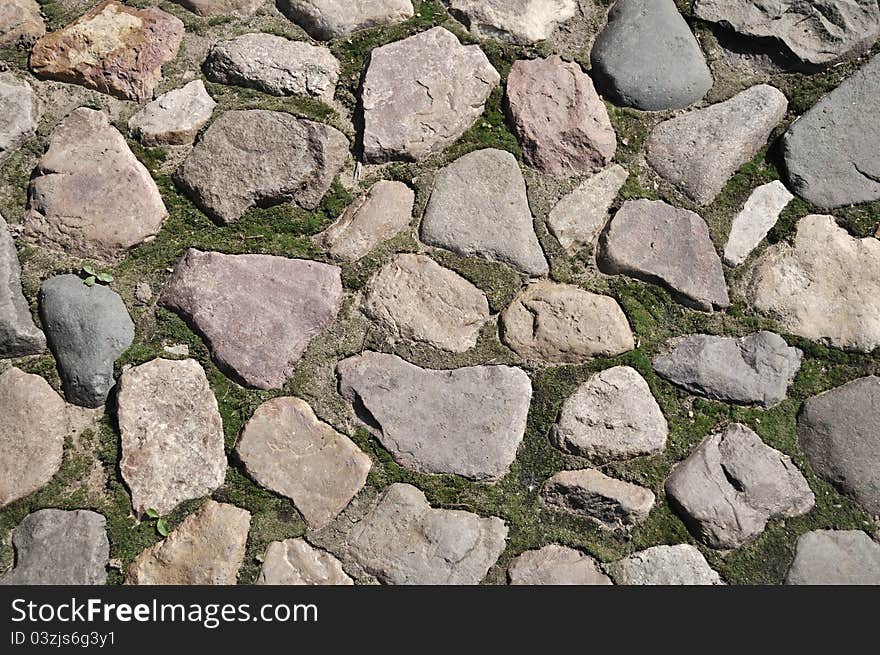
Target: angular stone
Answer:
pixel 18 334
pixel 755 221
pixel 172 434
pixel 732 484
pixel 328 19
pixel 755 369
pixel 403 540
pixel 579 218
pixel 467 421
pixel 835 557
pixel 114 49
pixel 285 448
pixel 698 152
pixel 258 313
pixel 206 549
pixel 519 21
pixel 816 33
pixel 832 153
pixel 560 120
pixel 555 565
pixel 19 113
pixel 838 432
pixel 173 119
pixel 90 196
pixel 58 547
pixel 274 65
pixel 20 19
pixel 825 287
pixel 421 94
pixel 296 162
pixel 564 324
pixel 681 564
pixel 661 244
pixel 613 415
pixel 211 8
pixel 647 57
pixel 479 207
pixel 415 298
pixel 33 425
pixel 295 562
pixel 381 213
pixel 613 503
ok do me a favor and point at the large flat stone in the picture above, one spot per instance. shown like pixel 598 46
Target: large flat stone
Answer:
pixel 18 334
pixel 835 557
pixel 754 222
pixel 588 492
pixel 295 562
pixel 20 20
pixel 173 118
pixel 555 565
pixel 519 21
pixel 681 564
pixel 19 112
pixel 328 19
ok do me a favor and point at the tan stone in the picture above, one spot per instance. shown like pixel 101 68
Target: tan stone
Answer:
pixel 613 503
pixel 295 562
pixel 20 19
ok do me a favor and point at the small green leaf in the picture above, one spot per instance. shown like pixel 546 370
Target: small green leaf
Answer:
pixel 105 277
pixel 90 281
pixel 162 527
pixel 153 514
pixel 88 269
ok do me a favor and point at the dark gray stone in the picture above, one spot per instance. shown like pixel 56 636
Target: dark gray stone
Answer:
pixel 18 334
pixel 835 557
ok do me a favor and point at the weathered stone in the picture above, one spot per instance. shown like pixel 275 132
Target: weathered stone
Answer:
pixel 33 425
pixel 295 562
pixel 613 415
pixel 172 434
pixel 206 549
pixel 20 20
pixel 698 152
pixel 467 421
pixel 681 564
pixel 647 57
pixel 57 547
pixel 328 19
pixel 755 369
pixel 415 298
pixel 579 218
pixel 518 21
pixel 560 120
pixel 565 324
pixel 87 328
pixel 732 484
pixel 835 557
pixel 405 541
pixel 421 94
pixel 555 565
pixel 19 113
pixel 211 8
pixel 838 432
pixel 658 243
pixel 287 449
pixel 479 207
pixel 258 313
pixel 18 334
pixel 174 118
pixel 816 33
pixel 756 219
pixel 275 65
pixel 832 153
pixel 613 503
pixel 825 287
pixel 90 196
pixel 296 162
pixel 385 210
pixel 113 49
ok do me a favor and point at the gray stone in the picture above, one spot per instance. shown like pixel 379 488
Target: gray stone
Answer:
pixel 258 313
pixel 467 421
pixel 19 112
pixel 613 503
pixel 755 369
pixel 172 434
pixel 835 557
pixel 87 328
pixel 681 564
pixel 20 20
pixel 518 21
pixel 287 449
pixel 413 297
pixel 555 565
pixel 613 415
pixel 579 218
pixel 479 207
pixel 58 547
pixel 832 153
pixel 421 94
pixel 173 118
pixel 295 562
pixel 646 57
pixel 824 287
pixel 296 162
pixel 328 19
pixel 838 432
pixel 212 8
pixel 732 485
pixel 18 334
pixel 658 243
pixel 757 218
pixel 698 152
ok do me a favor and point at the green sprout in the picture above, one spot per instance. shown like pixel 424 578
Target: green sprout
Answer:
pixel 93 276
pixel 161 523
